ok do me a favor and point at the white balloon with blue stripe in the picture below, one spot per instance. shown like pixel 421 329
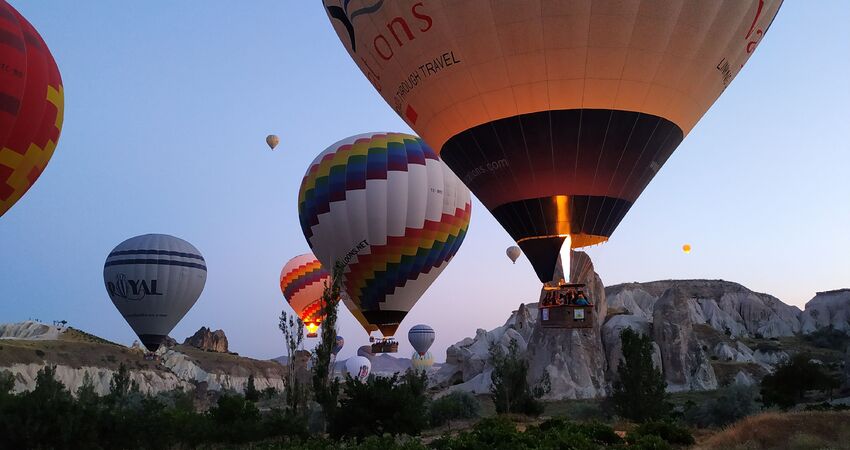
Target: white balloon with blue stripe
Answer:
pixel 421 337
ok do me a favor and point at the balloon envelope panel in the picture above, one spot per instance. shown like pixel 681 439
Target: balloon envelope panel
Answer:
pixel 154 280
pixel 386 207
pixel 421 362
pixel 31 106
pixel 556 115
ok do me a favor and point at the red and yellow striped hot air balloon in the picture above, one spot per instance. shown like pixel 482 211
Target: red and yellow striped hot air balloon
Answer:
pixel 302 282
pixel 556 114
pixel 31 106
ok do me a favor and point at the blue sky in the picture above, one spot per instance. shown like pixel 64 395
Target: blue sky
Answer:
pixel 168 104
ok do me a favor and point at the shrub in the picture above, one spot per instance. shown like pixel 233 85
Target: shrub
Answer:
pixel 251 392
pixel 729 405
pixel 650 442
pixel 666 430
pixel 454 406
pixel 829 338
pixel 787 386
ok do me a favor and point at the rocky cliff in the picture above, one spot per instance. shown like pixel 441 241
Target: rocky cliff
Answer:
pixel 211 341
pixel 28 346
pixel 705 333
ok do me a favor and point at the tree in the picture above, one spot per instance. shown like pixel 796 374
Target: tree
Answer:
pixel 293 335
pixel 788 385
pixel 251 392
pixel 325 389
pixel 510 389
pixel 640 390
pixel 120 386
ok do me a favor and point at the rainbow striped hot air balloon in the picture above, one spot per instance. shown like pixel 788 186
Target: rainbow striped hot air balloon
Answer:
pixel 385 206
pixel 31 106
pixel 302 281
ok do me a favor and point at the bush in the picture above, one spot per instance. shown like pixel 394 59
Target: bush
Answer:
pixel 640 390
pixel 393 405
pixel 828 338
pixel 667 431
pixel 649 442
pixel 730 404
pixel 454 406
pixel 787 386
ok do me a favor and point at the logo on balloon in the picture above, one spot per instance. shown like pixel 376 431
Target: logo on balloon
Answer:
pixel 131 289
pixel 341 13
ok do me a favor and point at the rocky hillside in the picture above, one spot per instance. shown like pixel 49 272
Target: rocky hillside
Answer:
pixel 28 346
pixel 705 333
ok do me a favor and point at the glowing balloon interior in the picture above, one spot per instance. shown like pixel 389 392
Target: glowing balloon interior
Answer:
pixel 154 280
pixel 302 281
pixel 555 116
pixel 386 207
pixel 32 103
pixel 686 248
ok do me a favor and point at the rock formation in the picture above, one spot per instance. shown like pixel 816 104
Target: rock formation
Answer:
pixel 210 341
pixel 830 308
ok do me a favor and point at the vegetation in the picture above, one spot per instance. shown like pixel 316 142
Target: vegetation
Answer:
pixel 792 379
pixel 727 405
pixel 772 430
pixel 325 389
pixel 640 390
pixel 382 405
pixel 510 390
pixel 828 338
pixel 294 390
pixel 454 406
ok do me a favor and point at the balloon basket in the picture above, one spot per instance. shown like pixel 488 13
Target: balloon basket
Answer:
pixel 151 356
pixel 385 346
pixel 565 305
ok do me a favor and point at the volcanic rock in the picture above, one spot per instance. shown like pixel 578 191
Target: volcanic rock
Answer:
pixel 210 341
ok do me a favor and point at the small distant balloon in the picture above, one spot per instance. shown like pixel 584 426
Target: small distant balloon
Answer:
pixel 686 248
pixel 513 253
pixel 339 342
pixel 272 140
pixel 358 367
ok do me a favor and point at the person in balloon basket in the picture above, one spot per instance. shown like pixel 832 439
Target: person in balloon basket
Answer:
pixel 581 300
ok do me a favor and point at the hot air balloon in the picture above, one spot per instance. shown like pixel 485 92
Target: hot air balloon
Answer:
pixel 387 208
pixel 686 248
pixel 421 362
pixel 31 106
pixel 338 344
pixel 358 367
pixel 555 116
pixel 302 281
pixel 153 280
pixel 513 253
pixel 272 140
pixel 421 337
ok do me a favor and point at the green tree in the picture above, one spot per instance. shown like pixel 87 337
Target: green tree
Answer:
pixel 326 389
pixel 788 385
pixel 251 392
pixel 293 335
pixel 510 389
pixel 639 390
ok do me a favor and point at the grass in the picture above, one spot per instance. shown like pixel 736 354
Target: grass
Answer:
pixel 791 431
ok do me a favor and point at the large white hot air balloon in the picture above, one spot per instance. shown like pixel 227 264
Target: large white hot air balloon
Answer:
pixel 154 280
pixel 358 367
pixel 421 337
pixel 384 205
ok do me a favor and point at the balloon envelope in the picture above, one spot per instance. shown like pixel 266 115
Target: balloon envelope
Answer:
pixel 302 281
pixel 421 337
pixel 358 367
pixel 31 106
pixel 556 116
pixel 387 208
pixel 513 253
pixel 338 344
pixel 154 280
pixel 421 362
pixel 272 141
pixel 686 248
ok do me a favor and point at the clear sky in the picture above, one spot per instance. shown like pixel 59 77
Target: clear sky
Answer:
pixel 168 104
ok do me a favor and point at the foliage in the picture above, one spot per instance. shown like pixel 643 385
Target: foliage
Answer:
pixel 788 384
pixel 511 393
pixel 666 430
pixel 640 390
pixel 293 335
pixel 454 406
pixel 392 405
pixel 251 392
pixel 829 338
pixel 326 389
pixel 7 382
pixel 730 404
